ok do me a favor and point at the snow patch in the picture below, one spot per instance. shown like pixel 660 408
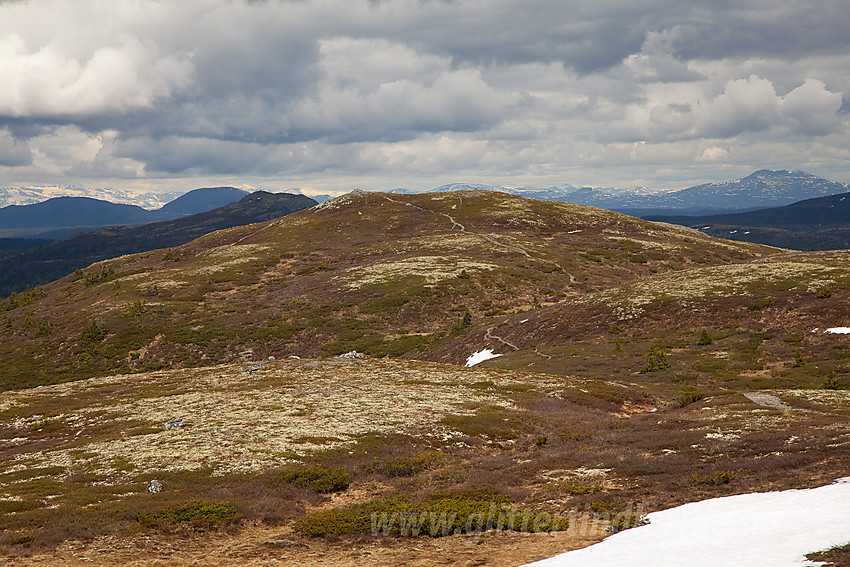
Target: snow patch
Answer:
pixel 480 356
pixel 838 330
pixel 769 528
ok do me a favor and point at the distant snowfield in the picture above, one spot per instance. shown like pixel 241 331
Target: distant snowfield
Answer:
pixel 480 356
pixel 31 195
pixel 839 330
pixel 772 528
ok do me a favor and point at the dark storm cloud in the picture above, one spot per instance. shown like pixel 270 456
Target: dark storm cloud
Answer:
pixel 263 87
pixel 13 152
pixel 788 30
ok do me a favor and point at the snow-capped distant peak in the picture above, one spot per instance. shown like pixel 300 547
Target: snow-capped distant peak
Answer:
pixel 32 195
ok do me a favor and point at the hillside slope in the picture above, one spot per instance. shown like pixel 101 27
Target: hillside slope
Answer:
pixel 37 266
pixel 70 211
pixel 822 223
pixel 60 217
pixel 381 274
pixel 760 324
pixel 641 366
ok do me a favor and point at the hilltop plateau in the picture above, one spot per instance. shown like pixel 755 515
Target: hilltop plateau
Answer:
pixel 380 274
pixel 640 365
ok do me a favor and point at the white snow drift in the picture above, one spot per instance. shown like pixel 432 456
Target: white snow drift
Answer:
pixel 480 356
pixel 771 528
pixel 839 330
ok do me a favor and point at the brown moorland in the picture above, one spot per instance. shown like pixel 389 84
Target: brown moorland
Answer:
pixel 643 366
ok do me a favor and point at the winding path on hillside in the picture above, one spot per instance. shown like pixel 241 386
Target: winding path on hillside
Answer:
pixel 487 237
pixel 490 336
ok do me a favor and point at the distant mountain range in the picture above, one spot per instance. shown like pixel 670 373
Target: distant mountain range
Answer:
pixel 822 223
pixel 45 263
pixel 59 217
pixel 32 195
pixel 761 189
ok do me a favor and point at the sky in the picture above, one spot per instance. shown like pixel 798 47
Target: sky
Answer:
pixel 332 95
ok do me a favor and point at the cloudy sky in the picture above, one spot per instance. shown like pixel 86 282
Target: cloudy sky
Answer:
pixel 329 95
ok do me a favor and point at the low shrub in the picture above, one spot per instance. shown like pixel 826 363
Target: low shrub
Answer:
pixel 24 540
pixel 656 360
pixel 604 508
pixel 408 466
pixel 832 382
pixel 689 398
pixel 824 293
pixel 760 304
pixel 704 338
pixel 493 422
pixel 200 516
pixel 440 514
pixel 627 521
pixel 320 479
pixel 578 489
pixel 834 556
pixel 714 478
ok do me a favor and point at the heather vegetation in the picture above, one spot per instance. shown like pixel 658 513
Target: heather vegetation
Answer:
pixel 622 386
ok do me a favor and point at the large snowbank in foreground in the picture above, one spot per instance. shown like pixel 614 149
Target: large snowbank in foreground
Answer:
pixel 772 528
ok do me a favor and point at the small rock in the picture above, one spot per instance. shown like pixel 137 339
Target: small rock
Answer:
pixel 155 486
pixel 175 423
pixel 352 354
pixel 259 366
pixel 270 358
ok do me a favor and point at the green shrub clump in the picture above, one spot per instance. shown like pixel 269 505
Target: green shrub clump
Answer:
pixel 577 489
pixel 627 521
pixel 200 516
pixel 689 398
pixel 440 514
pixel 761 304
pixel 656 359
pixel 320 479
pixel 704 338
pixel 832 382
pixel 409 466
pixel 714 478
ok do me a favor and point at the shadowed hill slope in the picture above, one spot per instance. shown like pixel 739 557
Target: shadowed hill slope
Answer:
pixel 46 263
pixel 814 224
pixel 382 274
pixel 67 215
